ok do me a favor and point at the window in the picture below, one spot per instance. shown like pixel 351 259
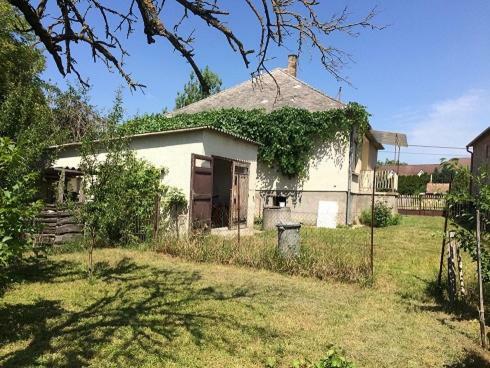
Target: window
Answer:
pixel 280 201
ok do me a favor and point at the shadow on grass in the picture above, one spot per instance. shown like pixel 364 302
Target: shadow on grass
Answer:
pixel 472 359
pixel 434 299
pixel 143 310
pixel 41 270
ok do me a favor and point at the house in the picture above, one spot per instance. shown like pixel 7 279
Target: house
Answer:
pixel 339 178
pixel 215 169
pixel 480 153
pixel 225 184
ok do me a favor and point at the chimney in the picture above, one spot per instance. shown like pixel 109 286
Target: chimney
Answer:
pixel 292 65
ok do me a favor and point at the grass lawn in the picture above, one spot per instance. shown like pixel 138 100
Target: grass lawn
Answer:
pixel 145 309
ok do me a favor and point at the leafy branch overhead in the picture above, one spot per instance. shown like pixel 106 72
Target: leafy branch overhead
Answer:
pixel 288 136
pixel 70 23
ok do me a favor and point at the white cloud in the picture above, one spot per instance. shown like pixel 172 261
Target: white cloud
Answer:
pixel 453 122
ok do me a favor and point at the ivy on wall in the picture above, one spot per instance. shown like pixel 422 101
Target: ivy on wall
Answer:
pixel 288 136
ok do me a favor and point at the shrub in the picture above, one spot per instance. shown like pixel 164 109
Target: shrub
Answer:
pixel 413 184
pixel 112 210
pixel 173 204
pixel 383 216
pixel 334 358
pixel 17 205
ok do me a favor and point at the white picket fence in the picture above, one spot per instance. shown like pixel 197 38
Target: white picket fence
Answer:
pixel 386 181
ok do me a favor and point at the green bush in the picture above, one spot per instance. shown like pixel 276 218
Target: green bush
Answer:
pixel 413 184
pixel 383 216
pixel 122 194
pixel 334 358
pixel 17 205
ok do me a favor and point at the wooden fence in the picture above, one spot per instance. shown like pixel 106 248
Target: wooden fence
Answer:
pixel 422 205
pixel 386 181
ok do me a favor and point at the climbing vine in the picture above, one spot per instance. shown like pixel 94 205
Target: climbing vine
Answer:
pixel 288 136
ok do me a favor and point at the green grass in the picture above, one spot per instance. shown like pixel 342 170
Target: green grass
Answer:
pixel 145 309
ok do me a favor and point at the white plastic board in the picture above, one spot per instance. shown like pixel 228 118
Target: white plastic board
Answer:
pixel 327 214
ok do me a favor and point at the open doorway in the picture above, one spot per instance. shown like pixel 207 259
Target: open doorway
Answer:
pixel 219 192
pixel 222 184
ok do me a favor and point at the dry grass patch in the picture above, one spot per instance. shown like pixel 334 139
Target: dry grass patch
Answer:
pixel 340 254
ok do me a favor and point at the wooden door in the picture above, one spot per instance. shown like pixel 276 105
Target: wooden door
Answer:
pixel 201 192
pixel 239 193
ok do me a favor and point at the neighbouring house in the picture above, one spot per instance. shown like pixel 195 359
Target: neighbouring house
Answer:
pixel 480 152
pixel 216 171
pixel 339 179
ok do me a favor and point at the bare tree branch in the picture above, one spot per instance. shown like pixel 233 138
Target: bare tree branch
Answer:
pixel 277 20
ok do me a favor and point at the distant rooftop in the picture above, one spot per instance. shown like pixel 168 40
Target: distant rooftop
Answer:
pixel 408 170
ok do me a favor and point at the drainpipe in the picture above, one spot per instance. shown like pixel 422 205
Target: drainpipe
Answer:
pixel 471 169
pixel 349 179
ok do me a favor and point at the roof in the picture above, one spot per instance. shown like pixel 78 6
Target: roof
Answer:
pixel 390 138
pixel 174 131
pixel 480 136
pixel 262 93
pixel 372 138
pixel 408 170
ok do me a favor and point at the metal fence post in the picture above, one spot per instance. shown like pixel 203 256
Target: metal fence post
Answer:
pixel 483 327
pixel 372 223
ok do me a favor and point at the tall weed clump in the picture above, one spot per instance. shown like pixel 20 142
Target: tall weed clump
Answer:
pixel 339 254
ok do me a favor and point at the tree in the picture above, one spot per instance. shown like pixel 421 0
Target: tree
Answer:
pixel 74 115
pixel 20 61
pixel 113 182
pixel 390 162
pixel 192 90
pixel 413 184
pixel 280 23
pixel 18 206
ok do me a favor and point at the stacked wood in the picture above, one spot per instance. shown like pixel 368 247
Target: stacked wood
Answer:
pixel 58 226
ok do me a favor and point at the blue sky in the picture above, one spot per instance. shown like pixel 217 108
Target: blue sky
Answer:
pixel 426 75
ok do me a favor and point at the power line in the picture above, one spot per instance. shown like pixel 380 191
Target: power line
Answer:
pixel 443 147
pixel 421 153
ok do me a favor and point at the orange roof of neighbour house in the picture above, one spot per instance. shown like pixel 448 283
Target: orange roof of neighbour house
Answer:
pixel 408 170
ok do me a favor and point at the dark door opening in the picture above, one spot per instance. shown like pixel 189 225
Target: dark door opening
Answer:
pixel 222 182
pixel 239 193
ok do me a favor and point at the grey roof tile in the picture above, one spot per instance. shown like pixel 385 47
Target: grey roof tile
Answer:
pixel 263 94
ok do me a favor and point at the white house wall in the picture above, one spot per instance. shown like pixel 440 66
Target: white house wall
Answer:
pixel 328 171
pixel 171 151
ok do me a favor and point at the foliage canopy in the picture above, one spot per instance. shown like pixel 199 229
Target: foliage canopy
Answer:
pixel 288 136
pixel 463 205
pixel 193 90
pixel 18 205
